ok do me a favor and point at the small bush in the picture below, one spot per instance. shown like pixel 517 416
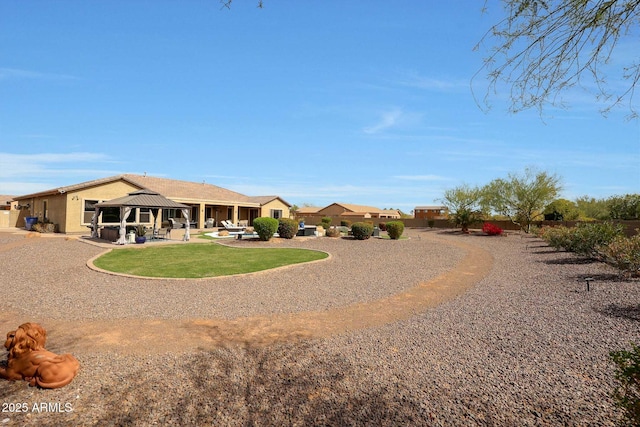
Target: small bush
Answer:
pixel 395 229
pixel 382 226
pixel 627 373
pixel 333 232
pixel 361 230
pixel 559 238
pixel 326 222
pixel 431 223
pixel 589 237
pixel 265 227
pixel 491 229
pixel 287 228
pixel 624 254
pixel 345 223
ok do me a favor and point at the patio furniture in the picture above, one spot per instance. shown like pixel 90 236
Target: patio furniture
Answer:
pixel 307 230
pixel 162 234
pixel 175 224
pixel 230 227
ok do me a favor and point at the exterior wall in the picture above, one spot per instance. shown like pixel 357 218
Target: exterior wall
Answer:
pixel 427 213
pixel 275 204
pixel 5 218
pixel 74 222
pixel 332 210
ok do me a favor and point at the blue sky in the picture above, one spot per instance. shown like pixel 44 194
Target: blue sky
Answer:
pixel 365 102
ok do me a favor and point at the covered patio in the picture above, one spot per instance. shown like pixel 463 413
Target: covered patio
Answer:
pixel 143 199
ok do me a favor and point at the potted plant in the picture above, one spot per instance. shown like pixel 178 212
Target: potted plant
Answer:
pixel 140 232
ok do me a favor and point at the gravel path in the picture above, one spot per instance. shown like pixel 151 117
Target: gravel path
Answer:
pixel 527 345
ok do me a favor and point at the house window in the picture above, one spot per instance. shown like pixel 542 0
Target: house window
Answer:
pixel 112 215
pixel 276 213
pixel 145 215
pixel 89 210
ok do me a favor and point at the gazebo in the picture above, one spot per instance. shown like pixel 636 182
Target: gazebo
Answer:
pixel 139 199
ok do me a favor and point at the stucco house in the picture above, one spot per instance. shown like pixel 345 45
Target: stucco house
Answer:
pixel 72 207
pixel 346 211
pixel 431 212
pixel 350 210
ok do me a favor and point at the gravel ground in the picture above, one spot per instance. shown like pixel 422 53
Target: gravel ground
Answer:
pixel 527 345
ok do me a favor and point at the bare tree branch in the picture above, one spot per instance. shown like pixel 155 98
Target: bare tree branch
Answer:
pixel 542 48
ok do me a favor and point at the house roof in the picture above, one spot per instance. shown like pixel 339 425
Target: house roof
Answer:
pixel 5 199
pixel 184 191
pixel 74 187
pixel 358 208
pixel 431 207
pixel 308 209
pixel 143 199
pixel 263 200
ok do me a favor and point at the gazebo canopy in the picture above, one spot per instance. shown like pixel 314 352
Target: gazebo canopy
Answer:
pixel 139 199
pixel 142 199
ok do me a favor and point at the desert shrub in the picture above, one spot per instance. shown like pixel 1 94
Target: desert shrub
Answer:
pixel 589 237
pixel 382 226
pixel 557 237
pixel 627 373
pixel 325 222
pixel 287 228
pixel 361 230
pixel 44 227
pixel 265 227
pixel 624 254
pixel 333 232
pixel 345 223
pixel 395 229
pixel 491 229
pixel 431 223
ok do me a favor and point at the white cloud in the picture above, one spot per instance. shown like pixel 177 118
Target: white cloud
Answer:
pixel 41 165
pixel 387 120
pixel 421 177
pixel 15 73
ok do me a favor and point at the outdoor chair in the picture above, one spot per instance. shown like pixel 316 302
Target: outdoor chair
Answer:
pixel 174 223
pixel 230 227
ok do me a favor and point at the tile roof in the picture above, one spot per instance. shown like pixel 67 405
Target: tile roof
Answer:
pixel 360 208
pixel 186 190
pixel 263 200
pixel 5 199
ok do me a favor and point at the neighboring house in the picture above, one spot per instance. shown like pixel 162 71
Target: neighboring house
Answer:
pixel 6 203
pixel 71 207
pixel 431 212
pixel 346 211
pixel 349 210
pixel 307 210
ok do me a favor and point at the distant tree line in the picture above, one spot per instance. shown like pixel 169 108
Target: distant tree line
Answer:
pixel 532 196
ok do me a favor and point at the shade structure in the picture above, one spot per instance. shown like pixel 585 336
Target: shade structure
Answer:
pixel 139 199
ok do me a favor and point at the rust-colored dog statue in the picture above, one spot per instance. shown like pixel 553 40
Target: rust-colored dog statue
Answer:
pixel 28 359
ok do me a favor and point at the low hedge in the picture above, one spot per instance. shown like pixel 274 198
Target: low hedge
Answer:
pixel 287 228
pixel 395 229
pixel 265 227
pixel 361 230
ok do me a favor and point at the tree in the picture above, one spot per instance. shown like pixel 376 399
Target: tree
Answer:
pixel 624 207
pixel 464 205
pixel 561 210
pixel 522 198
pixel 543 47
pixel 591 208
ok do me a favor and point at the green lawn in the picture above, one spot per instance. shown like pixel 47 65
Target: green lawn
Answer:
pixel 200 260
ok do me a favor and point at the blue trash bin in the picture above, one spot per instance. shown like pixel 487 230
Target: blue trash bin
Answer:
pixel 30 221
